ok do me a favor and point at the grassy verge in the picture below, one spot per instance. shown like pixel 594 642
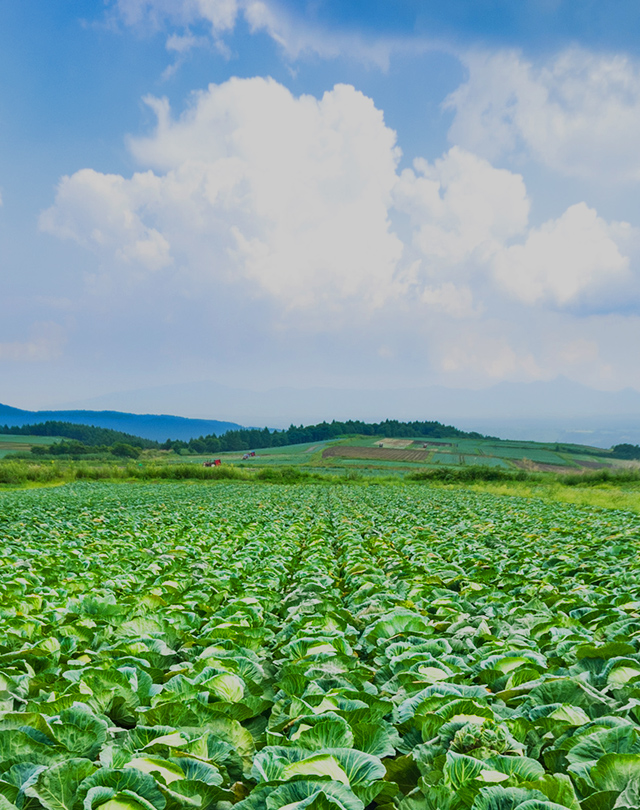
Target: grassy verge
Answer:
pixel 19 474
pixel 599 488
pixel 606 496
pixel 471 474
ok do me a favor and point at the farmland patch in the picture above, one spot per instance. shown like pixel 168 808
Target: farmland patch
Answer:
pixel 375 453
pixel 184 646
pixel 10 443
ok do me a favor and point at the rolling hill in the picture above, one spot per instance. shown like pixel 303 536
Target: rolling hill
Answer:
pixel 149 426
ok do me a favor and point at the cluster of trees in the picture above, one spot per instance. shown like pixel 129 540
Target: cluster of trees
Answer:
pixel 83 440
pixel 254 438
pixel 85 434
pixel 75 448
pixel 628 451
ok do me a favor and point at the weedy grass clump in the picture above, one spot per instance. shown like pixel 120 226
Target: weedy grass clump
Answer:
pixel 18 472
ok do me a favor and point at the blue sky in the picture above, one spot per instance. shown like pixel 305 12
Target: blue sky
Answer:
pixel 265 193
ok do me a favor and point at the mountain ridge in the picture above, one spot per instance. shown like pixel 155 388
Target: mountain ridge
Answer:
pixel 279 406
pixel 159 427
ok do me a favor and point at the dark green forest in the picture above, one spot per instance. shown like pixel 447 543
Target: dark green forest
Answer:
pixel 79 440
pixel 628 451
pixel 85 434
pixel 255 439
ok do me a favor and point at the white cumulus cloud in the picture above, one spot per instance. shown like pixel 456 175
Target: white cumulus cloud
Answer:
pixel 471 222
pixel 562 259
pixel 257 204
pixel 577 112
pixel 461 207
pixel 291 194
pixel 103 212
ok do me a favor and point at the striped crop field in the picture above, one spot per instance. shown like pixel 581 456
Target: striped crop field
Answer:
pixel 375 453
pixel 176 646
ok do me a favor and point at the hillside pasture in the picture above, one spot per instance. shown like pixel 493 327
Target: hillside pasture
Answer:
pixel 376 453
pixel 464 452
pixel 10 444
pixel 397 456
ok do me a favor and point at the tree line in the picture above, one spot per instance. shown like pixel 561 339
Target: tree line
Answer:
pixel 79 440
pixel 75 449
pixel 256 439
pixel 627 451
pixel 85 434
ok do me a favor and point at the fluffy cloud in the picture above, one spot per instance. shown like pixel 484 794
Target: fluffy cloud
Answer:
pixel 461 207
pixel 103 212
pixel 289 194
pixel 289 214
pixel 563 259
pixel 578 113
pixel 294 198
pixel 471 220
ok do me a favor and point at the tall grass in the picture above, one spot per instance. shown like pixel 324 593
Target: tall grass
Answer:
pixel 453 475
pixel 16 473
pixel 20 473
pixel 599 477
pixel 606 496
pixel 602 488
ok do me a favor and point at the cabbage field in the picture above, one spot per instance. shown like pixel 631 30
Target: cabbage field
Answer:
pixel 177 646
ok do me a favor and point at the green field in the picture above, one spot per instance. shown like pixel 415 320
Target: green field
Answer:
pixel 462 453
pixel 454 452
pixel 175 646
pixel 21 444
pixel 396 457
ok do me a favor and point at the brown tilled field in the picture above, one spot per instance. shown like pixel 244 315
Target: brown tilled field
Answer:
pixel 376 453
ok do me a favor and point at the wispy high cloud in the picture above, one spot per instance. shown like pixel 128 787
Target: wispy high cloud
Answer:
pixel 221 15
pixel 294 34
pixel 44 344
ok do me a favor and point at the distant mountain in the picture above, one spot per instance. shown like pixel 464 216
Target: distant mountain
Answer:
pixel 556 410
pixel 149 426
pixel 595 431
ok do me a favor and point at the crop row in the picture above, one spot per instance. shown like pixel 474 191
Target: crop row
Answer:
pixel 187 646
